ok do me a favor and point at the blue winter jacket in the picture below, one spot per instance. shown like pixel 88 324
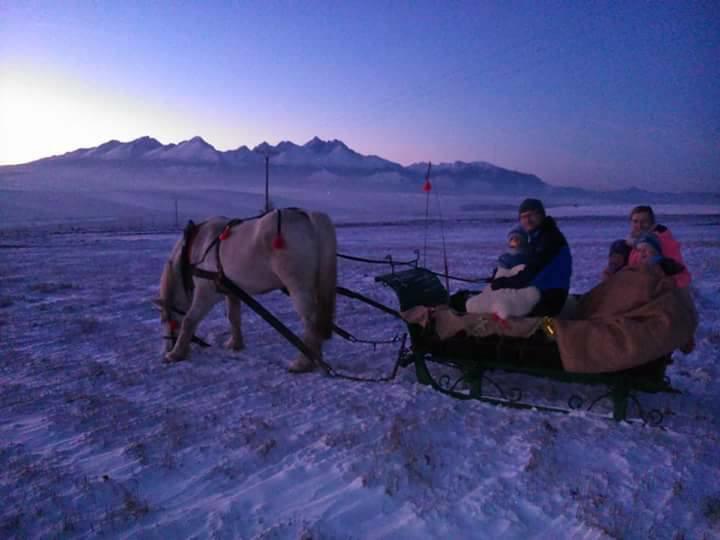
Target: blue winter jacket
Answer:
pixel 549 268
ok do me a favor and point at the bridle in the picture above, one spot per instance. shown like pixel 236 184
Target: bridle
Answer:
pixel 165 310
pixel 188 269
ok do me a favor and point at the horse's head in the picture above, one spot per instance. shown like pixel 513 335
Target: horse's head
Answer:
pixel 173 303
pixel 171 319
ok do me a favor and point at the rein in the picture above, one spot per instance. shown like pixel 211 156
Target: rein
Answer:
pixel 173 327
pixel 226 286
pixel 387 260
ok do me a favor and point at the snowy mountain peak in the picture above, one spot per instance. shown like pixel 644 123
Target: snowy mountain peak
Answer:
pixel 116 150
pixel 145 144
pixel 192 150
pixel 197 141
pixel 112 143
pixel 264 148
pixel 242 155
pixel 332 157
pixel 455 166
pixel 315 141
pixel 146 140
pixel 463 165
pixel 284 146
pixel 319 146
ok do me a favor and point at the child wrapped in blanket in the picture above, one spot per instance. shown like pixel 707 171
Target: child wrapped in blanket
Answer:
pixel 505 303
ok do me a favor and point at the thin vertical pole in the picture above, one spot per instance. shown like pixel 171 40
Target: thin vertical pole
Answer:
pixel 427 209
pixel 427 187
pixel 444 244
pixel 267 183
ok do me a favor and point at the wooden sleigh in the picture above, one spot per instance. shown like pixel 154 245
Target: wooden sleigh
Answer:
pixel 474 359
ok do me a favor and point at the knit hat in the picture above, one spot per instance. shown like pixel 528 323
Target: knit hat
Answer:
pixel 518 253
pixel 532 204
pixel 652 240
pixel 620 247
pixel 520 234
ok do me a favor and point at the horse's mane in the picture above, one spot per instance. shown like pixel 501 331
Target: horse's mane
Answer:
pixel 168 280
pixel 174 268
pixel 166 289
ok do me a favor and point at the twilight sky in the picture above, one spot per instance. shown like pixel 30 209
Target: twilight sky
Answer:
pixel 594 94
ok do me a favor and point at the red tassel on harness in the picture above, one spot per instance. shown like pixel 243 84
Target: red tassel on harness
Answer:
pixel 225 234
pixel 278 242
pixel 173 325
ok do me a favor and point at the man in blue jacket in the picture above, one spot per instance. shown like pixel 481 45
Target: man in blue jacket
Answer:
pixel 549 265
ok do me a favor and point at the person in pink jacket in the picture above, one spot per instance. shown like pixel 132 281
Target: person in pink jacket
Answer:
pixel 642 221
pixel 652 243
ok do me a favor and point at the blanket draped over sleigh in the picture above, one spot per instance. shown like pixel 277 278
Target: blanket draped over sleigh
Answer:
pixel 634 317
pixel 447 322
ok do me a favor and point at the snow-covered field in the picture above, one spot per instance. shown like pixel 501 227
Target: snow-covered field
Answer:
pixel 100 438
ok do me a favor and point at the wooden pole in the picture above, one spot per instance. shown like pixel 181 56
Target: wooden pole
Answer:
pixel 267 183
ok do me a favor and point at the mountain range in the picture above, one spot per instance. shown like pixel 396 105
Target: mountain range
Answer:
pixel 317 157
pixel 330 161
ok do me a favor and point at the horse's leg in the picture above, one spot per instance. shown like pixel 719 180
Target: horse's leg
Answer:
pixel 204 298
pixel 306 307
pixel 236 342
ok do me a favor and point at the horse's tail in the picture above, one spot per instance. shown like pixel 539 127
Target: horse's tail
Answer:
pixel 326 277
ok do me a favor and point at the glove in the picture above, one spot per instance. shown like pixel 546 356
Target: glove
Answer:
pixel 670 266
pixel 499 283
pixel 458 300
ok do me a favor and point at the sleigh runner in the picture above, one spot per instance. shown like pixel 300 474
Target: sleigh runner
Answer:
pixel 530 352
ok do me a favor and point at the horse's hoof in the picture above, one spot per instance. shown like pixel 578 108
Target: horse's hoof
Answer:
pixel 171 358
pixel 325 369
pixel 301 365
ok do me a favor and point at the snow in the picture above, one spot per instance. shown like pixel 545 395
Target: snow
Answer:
pixel 242 155
pixel 198 152
pixel 319 153
pixel 135 149
pixel 440 168
pixel 100 438
pixel 193 150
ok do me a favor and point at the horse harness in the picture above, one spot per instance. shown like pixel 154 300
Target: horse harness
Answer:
pixel 188 270
pixel 224 284
pixel 227 287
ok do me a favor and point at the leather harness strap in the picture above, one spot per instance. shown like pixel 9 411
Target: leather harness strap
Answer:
pixel 226 286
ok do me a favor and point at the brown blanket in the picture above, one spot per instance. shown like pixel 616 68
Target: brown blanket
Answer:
pixel 634 317
pixel 448 322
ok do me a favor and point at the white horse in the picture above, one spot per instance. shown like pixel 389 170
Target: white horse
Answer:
pixel 288 248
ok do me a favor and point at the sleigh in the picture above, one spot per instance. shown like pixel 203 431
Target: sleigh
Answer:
pixel 470 358
pixel 466 367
